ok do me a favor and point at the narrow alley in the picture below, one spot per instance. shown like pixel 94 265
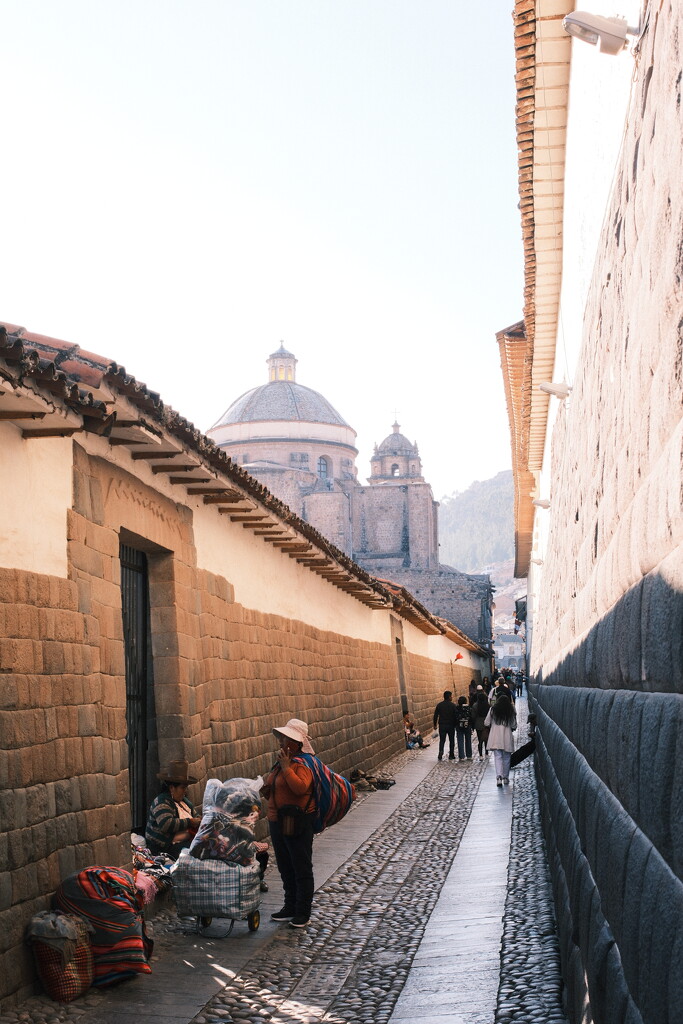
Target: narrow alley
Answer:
pixel 433 902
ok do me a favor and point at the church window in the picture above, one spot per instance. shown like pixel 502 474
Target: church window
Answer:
pixel 323 468
pixel 281 372
pixel 395 469
pixel 289 373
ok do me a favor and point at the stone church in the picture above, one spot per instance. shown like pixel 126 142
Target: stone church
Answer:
pixel 295 443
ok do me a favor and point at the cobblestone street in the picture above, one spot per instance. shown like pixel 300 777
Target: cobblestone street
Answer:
pixel 418 914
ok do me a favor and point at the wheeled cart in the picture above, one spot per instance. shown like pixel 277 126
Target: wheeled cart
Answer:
pixel 215 888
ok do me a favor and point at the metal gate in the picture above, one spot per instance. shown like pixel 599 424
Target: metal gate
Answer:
pixel 139 688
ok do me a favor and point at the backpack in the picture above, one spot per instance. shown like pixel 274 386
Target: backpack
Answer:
pixel 333 793
pixel 464 720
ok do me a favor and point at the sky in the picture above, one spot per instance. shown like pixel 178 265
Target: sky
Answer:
pixel 187 183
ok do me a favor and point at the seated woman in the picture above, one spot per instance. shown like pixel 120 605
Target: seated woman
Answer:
pixel 172 821
pixel 413 735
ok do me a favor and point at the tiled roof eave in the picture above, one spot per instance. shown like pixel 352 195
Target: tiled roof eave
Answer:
pixel 25 366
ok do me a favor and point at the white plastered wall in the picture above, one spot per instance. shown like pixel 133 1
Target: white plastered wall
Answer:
pixel 36 489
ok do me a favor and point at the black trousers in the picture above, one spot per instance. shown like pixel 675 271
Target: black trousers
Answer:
pixel 294 856
pixel 447 731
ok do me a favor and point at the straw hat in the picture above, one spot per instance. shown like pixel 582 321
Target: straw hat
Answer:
pixel 176 772
pixel 298 731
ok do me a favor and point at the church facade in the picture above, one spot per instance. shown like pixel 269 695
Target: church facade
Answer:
pixel 295 443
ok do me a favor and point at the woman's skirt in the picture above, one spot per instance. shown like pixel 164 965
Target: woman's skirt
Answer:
pixel 107 899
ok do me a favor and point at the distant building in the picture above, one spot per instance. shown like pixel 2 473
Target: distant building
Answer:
pixel 295 443
pixel 510 651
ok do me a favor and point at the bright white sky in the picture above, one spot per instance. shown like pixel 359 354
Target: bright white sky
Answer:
pixel 186 183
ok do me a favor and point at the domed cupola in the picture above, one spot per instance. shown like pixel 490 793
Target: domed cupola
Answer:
pixel 284 425
pixel 396 458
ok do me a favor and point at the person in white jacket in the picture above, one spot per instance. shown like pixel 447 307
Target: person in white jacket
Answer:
pixel 502 722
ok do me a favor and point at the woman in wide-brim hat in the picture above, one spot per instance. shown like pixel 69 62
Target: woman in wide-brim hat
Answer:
pixel 172 821
pixel 290 784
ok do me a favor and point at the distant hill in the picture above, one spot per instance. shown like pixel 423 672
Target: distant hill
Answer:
pixel 476 526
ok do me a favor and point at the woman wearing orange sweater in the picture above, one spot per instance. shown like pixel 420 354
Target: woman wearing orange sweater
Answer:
pixel 291 809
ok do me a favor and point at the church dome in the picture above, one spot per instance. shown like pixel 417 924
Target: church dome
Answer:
pixel 396 444
pixel 281 400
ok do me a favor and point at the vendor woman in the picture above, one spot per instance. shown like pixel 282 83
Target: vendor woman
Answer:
pixel 172 821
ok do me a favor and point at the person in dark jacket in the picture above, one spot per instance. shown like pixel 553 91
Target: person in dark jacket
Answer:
pixel 464 729
pixel 479 711
pixel 445 716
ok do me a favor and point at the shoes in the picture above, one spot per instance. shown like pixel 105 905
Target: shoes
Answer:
pixel 282 915
pixel 451 757
pixel 299 922
pixel 506 782
pixel 499 781
pixel 469 758
pixel 263 886
pixel 440 757
pixel 426 745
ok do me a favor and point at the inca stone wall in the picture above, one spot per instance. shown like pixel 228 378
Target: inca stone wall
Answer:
pixel 608 640
pixel 223 677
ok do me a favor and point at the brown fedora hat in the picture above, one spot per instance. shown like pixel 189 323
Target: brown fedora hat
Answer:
pixel 176 772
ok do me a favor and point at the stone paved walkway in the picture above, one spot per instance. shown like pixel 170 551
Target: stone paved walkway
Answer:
pixel 407 922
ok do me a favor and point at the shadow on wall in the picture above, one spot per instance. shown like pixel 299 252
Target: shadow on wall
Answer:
pixel 610 776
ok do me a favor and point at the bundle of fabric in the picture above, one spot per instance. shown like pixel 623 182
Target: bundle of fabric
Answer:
pixel 155 866
pixel 62 954
pixel 229 812
pixel 107 899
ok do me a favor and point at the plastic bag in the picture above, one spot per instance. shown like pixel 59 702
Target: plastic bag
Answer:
pixel 230 810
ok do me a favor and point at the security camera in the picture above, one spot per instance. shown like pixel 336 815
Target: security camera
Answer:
pixel 560 391
pixel 610 33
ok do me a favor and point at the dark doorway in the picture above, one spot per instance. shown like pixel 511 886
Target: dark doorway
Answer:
pixel 140 713
pixel 401 677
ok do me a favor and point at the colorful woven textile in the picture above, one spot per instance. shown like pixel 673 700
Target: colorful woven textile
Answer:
pixel 214 888
pixel 107 899
pixel 333 793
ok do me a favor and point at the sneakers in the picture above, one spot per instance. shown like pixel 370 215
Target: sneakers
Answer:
pixel 299 922
pixel 440 757
pixel 282 915
pixel 263 886
pixel 499 781
pixel 506 782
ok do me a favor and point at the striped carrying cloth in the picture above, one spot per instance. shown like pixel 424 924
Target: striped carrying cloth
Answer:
pixel 215 888
pixel 333 793
pixel 107 899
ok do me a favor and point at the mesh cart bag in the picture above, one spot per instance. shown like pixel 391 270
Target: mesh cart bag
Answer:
pixel 214 888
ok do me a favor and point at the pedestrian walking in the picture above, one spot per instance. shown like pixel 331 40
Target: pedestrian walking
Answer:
pixel 463 728
pixel 502 722
pixel 445 715
pixel 291 810
pixel 479 711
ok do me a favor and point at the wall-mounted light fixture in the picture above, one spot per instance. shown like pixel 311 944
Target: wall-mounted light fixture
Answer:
pixel 541 503
pixel 560 391
pixel 610 33
pixel 537 561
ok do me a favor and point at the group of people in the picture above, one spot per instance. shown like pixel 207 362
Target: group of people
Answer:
pixel 173 821
pixel 490 713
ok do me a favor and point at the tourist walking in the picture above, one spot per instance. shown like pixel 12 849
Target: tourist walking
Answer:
pixel 463 727
pixel 479 711
pixel 502 722
pixel 291 810
pixel 445 715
